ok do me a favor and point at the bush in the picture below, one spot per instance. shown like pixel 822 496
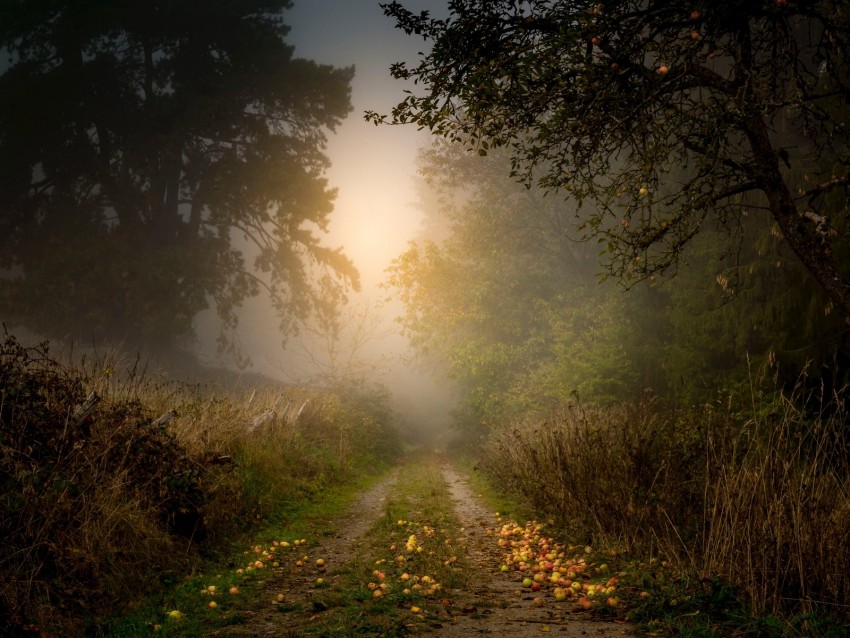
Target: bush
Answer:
pixel 606 474
pixel 92 494
pixel 762 502
pixel 100 503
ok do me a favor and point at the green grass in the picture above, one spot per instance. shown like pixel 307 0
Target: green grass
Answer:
pixel 408 555
pixel 308 519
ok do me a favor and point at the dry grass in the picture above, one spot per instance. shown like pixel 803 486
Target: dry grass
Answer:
pixel 762 500
pixel 777 509
pixel 100 506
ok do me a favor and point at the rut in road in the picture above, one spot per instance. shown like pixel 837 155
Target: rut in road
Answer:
pixel 502 607
pixel 337 549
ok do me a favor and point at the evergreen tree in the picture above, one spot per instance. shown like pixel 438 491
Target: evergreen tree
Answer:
pixel 157 158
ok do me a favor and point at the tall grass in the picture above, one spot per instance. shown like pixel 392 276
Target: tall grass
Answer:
pixel 778 511
pixel 104 501
pixel 758 496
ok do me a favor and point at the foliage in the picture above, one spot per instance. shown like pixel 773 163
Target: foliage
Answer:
pixel 178 163
pixel 532 327
pixel 657 116
pixel 737 307
pixel 82 490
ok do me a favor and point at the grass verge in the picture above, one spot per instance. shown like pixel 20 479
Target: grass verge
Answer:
pixel 397 580
pixel 114 483
pixel 731 520
pixel 186 608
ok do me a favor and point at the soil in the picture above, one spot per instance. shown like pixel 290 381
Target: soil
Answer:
pixel 492 606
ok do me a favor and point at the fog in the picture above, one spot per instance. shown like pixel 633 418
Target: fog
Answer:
pixel 224 198
pixel 376 212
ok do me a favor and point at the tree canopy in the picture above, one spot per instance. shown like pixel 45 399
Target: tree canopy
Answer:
pixel 500 298
pixel 660 118
pixel 160 158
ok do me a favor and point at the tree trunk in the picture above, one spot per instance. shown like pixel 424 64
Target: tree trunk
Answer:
pixel 812 248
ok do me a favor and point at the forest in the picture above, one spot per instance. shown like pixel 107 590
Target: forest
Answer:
pixel 633 272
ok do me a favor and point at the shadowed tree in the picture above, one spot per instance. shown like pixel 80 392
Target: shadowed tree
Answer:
pixel 512 309
pixel 158 158
pixel 659 117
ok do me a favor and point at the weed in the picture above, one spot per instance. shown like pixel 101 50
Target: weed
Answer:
pixel 113 484
pixel 754 501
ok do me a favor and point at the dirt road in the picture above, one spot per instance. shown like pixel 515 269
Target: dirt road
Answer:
pixel 297 585
pixel 326 600
pixel 507 608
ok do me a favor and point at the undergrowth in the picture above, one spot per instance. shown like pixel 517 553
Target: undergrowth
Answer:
pixel 747 504
pixel 114 484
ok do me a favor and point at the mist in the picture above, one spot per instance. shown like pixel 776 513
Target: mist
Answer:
pixel 251 323
pixel 323 248
pixel 392 275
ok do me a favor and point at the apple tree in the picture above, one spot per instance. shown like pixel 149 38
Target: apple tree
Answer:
pixel 660 118
pixel 159 158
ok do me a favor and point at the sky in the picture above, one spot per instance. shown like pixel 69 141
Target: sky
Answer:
pixel 373 168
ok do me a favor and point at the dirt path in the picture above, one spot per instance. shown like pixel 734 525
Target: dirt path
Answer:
pixel 503 607
pixel 493 604
pixel 297 584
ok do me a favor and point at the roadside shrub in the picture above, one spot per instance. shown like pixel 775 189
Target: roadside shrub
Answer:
pixel 757 496
pixel 778 507
pixel 626 475
pixel 80 481
pixel 101 503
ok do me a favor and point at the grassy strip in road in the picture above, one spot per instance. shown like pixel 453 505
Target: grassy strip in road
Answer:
pixel 187 609
pixel 398 581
